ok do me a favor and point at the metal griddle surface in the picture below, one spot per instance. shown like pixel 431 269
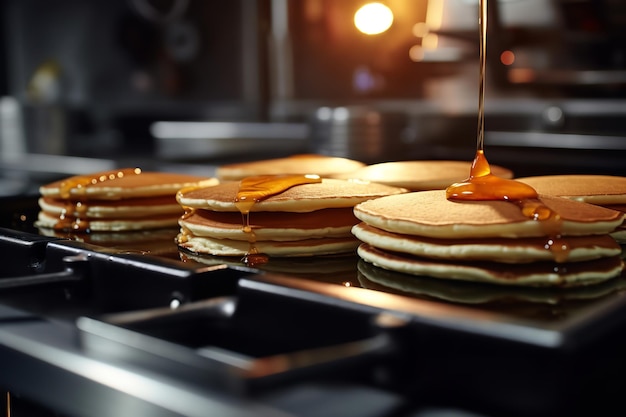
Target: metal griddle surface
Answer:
pixel 553 318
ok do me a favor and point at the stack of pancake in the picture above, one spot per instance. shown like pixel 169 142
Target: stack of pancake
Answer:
pixel 424 233
pixel 303 220
pixel 603 190
pixel 322 165
pixel 418 175
pixel 120 200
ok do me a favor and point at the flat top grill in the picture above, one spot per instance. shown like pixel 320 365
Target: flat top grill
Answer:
pixel 203 333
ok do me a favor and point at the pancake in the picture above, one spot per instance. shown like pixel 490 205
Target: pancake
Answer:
pixel 514 251
pixel 424 233
pixel 84 225
pixel 430 214
pixel 295 248
pixel 114 201
pixel 330 193
pixel 120 184
pixel 538 274
pixel 112 209
pixel 321 165
pixel 300 220
pixel 333 222
pixel 419 175
pixel 603 190
pixel 596 189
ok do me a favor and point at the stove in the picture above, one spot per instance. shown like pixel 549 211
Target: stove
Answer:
pixel 135 327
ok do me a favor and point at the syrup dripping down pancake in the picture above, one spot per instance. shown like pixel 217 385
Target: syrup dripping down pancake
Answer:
pixel 430 214
pixel 603 190
pixel 497 249
pixel 332 222
pixel 301 220
pixel 122 184
pixel 489 241
pixel 114 201
pixel 539 274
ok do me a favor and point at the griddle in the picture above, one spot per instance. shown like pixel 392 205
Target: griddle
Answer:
pixel 267 335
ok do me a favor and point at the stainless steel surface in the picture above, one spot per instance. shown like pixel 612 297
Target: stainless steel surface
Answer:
pixel 358 132
pixel 197 140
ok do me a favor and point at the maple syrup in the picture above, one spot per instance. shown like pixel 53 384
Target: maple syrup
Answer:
pixel 258 188
pixel 73 188
pixel 482 185
pixel 78 184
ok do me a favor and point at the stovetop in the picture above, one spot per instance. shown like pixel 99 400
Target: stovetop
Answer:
pixel 133 326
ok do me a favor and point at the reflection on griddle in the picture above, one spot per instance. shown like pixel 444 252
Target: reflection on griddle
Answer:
pixel 338 269
pixel 156 242
pixel 523 302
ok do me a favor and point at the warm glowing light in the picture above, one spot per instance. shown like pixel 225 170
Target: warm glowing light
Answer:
pixel 416 53
pixel 373 18
pixel 419 30
pixel 507 57
pixel 521 75
pixel 434 14
pixel 430 41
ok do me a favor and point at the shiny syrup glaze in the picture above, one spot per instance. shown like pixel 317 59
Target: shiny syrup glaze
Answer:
pixel 258 188
pixel 73 189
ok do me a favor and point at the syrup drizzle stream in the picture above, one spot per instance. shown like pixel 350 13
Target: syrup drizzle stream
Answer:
pixel 258 188
pixel 482 185
pixel 73 189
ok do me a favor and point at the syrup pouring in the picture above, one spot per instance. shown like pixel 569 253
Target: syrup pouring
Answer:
pixel 482 185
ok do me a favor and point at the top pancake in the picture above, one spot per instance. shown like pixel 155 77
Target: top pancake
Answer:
pixel 419 175
pixel 596 189
pixel 329 193
pixel 122 184
pixel 431 214
pixel 321 165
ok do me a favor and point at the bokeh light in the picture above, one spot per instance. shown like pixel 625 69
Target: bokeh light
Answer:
pixel 373 18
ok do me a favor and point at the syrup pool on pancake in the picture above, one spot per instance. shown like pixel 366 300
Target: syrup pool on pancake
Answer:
pixel 255 189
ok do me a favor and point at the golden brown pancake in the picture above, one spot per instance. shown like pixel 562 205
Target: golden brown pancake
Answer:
pixel 603 190
pixel 506 250
pixel 85 225
pixel 113 201
pixel 321 165
pixel 538 274
pixel 332 222
pixel 597 189
pixel 430 214
pixel 303 220
pixel 112 209
pixel 419 175
pixel 424 233
pixel 122 183
pixel 330 193
pixel 291 248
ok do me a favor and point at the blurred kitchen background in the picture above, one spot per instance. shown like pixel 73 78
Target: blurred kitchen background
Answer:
pixel 190 84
